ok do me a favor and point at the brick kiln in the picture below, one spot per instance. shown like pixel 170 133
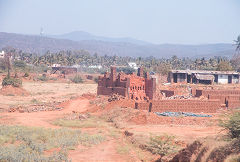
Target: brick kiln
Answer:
pixel 137 87
pixel 142 89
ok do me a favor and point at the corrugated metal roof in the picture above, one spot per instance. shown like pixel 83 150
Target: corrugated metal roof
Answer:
pixel 205 72
pixel 204 76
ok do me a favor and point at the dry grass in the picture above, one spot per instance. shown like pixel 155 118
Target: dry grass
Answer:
pixel 91 122
pixel 20 143
pixel 45 92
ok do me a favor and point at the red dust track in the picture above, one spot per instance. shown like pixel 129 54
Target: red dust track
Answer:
pixel 43 118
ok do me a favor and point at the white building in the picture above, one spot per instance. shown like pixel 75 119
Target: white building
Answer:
pixel 2 54
pixel 133 65
pixel 203 76
pixel 95 67
pixel 56 65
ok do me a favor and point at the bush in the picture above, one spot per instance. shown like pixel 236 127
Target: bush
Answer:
pixel 11 81
pixel 43 78
pixel 26 74
pixel 96 80
pixel 77 79
pixel 32 143
pixel 126 70
pixel 19 64
pixel 162 145
pixel 53 78
pixel 232 125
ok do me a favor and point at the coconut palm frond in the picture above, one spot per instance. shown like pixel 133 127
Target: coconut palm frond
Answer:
pixel 237 43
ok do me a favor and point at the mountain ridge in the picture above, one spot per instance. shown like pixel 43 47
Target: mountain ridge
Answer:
pixel 41 44
pixel 82 35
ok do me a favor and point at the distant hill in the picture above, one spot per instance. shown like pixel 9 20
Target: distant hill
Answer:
pixel 39 45
pixel 81 35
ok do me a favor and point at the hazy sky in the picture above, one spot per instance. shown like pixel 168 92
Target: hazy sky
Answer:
pixel 157 21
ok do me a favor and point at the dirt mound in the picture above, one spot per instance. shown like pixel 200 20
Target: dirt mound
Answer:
pixel 101 105
pixel 89 95
pixel 13 91
pixel 143 117
pixel 221 153
pixel 210 152
pixel 186 154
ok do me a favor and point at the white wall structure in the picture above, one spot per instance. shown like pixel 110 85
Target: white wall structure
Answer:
pixel 56 65
pixel 95 66
pixel 2 54
pixel 133 65
pixel 235 79
pixel 222 79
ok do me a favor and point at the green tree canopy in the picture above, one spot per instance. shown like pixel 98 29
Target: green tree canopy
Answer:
pixel 224 66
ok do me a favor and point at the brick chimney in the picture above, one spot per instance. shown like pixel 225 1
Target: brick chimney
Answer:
pixel 113 75
pixel 140 72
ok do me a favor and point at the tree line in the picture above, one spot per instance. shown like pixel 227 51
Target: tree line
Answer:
pixel 159 65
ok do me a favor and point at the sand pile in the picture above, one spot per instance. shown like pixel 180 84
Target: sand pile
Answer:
pixel 13 91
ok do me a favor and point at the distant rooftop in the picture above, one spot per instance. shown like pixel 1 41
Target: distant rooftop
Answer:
pixel 204 72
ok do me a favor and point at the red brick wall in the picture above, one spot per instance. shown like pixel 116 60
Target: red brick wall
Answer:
pixel 168 93
pixel 109 90
pixel 217 92
pixel 220 97
pixel 142 105
pixel 197 106
pixel 229 97
pixel 123 84
pixel 233 103
pixel 150 85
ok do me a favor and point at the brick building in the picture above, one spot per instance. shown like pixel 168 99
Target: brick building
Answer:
pixel 137 87
pixel 203 76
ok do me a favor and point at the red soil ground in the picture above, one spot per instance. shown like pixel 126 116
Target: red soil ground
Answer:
pixel 15 91
pixel 139 122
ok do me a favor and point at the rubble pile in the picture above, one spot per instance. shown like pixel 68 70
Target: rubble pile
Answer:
pixel 179 97
pixel 35 108
pixel 115 97
pixel 76 116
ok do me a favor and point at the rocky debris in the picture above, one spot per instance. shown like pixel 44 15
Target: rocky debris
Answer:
pixel 13 91
pixel 76 116
pixel 186 154
pixel 35 108
pixel 89 95
pixel 115 97
pixel 178 97
pixel 127 133
pixel 12 109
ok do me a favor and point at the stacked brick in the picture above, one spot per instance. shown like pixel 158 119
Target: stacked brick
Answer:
pixel 215 92
pixel 231 98
pixel 131 86
pixel 168 93
pixel 142 105
pixel 189 105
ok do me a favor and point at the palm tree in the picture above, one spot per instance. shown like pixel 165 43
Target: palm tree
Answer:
pixel 237 43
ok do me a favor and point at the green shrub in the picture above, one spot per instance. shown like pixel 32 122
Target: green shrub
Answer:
pixel 87 123
pixel 26 74
pixel 233 158
pixel 43 78
pixel 52 78
pixel 232 125
pixel 32 142
pixel 96 80
pixel 77 79
pixel 11 81
pixel 162 145
pixel 19 64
